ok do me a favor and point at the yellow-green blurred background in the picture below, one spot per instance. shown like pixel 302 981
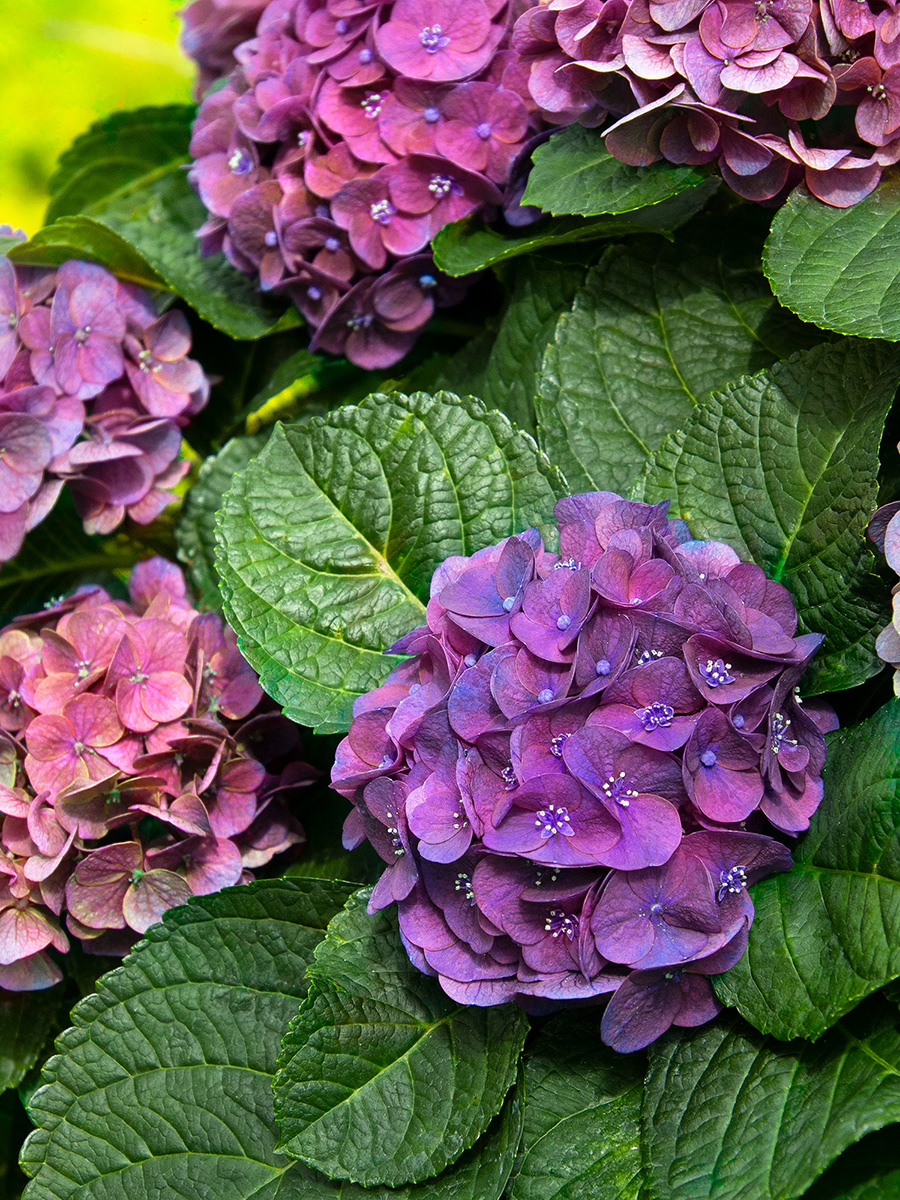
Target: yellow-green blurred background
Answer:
pixel 63 64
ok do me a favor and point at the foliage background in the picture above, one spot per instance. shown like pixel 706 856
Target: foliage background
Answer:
pixel 63 64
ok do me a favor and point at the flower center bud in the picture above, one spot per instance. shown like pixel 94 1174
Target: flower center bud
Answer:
pixel 433 38
pixel 271 238
pixel 616 787
pixel 508 776
pixel 483 130
pixel 82 335
pixel 240 163
pixel 648 656
pixel 556 744
pixel 563 622
pixel 715 672
pixel 332 245
pixel 340 26
pixel 545 695
pixel 314 293
pixel 470 660
pixel 427 282
pixel 551 821
pixel 431 115
pixel 708 758
pixel 463 883
pixel 655 716
pixel 372 104
pixel 733 880
pixel 780 727
pixel 602 666
pixel 560 922
pixel 360 321
pixel 508 603
pixel 365 57
pixel 381 212
pixel 440 186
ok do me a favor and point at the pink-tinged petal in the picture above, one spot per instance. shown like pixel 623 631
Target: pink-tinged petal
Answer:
pixel 23 932
pixel 49 738
pixel 33 974
pixel 96 889
pixel 166 696
pixel 93 720
pixel 150 895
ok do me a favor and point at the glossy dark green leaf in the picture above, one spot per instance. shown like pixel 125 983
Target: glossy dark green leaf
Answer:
pixel 122 147
pixel 783 466
pixel 27 1022
pixel 196 529
pixel 382 1078
pixel 469 245
pixel 328 540
pixel 731 1115
pixel 582 1116
pixel 652 332
pixel 163 1085
pixel 575 173
pixel 837 267
pixel 827 932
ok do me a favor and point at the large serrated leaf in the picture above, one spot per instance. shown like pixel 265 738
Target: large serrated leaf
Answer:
pixel 651 333
pixel 141 223
pixel 328 540
pixel 827 932
pixel 837 267
pixel 582 1116
pixel 574 172
pixel 540 292
pixel 783 466
pixel 115 151
pixel 195 532
pixel 731 1115
pixel 382 1078
pixel 162 1086
pixel 469 245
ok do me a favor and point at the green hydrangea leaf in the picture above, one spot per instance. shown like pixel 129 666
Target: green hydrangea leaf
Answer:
pixel 27 1022
pixel 827 932
pixel 469 245
pixel 382 1078
pixel 730 1114
pixel 329 538
pixel 651 333
pixel 837 267
pixel 115 151
pixel 195 532
pixel 163 1084
pixel 581 1138
pixel 540 292
pixel 783 466
pixel 122 199
pixel 574 172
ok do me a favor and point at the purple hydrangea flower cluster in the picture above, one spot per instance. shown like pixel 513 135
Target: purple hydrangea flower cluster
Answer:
pixel 884 531
pixel 139 765
pixel 579 770
pixel 744 84
pixel 211 32
pixel 348 135
pixel 94 388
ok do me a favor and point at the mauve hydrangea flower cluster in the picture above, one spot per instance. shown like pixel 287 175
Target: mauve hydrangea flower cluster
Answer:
pixel 772 91
pixel 579 770
pixel 348 135
pixel 95 386
pixel 139 766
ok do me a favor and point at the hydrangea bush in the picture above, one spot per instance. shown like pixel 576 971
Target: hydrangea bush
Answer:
pixel 579 592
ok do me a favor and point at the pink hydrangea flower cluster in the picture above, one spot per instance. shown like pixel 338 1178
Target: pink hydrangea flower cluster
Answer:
pixel 581 767
pixel 349 134
pixel 211 32
pixel 774 92
pixel 139 765
pixel 95 386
